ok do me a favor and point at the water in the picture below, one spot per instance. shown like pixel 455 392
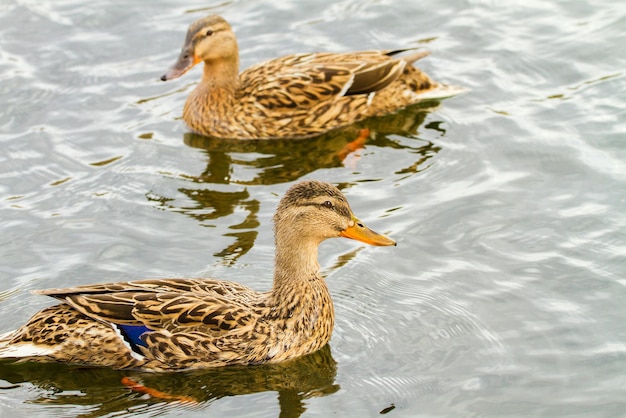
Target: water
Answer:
pixel 505 294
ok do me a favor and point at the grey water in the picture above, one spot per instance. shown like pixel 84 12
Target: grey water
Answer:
pixel 505 295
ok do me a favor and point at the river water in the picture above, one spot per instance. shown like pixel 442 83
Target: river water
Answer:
pixel 505 295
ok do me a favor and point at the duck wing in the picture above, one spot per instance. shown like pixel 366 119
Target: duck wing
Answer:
pixel 212 306
pixel 304 80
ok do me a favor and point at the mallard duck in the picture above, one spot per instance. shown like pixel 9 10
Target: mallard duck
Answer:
pixel 174 324
pixel 293 96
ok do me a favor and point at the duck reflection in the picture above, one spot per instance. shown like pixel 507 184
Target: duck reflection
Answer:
pixel 100 391
pixel 235 164
pixel 255 162
pixel 210 205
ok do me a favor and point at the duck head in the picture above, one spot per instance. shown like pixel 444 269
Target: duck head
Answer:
pixel 314 211
pixel 209 39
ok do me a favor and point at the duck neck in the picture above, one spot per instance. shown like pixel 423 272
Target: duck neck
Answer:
pixel 222 73
pixel 296 266
pixel 297 282
pixel 300 303
pixel 300 298
pixel 213 98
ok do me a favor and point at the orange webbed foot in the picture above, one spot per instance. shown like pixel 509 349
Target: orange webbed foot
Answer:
pixel 354 145
pixel 154 393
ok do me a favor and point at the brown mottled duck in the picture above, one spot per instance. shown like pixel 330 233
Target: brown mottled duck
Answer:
pixel 294 96
pixel 176 324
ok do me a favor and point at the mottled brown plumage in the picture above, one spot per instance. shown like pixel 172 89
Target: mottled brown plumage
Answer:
pixel 194 323
pixel 296 95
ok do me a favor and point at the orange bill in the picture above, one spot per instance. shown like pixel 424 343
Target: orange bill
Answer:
pixel 358 231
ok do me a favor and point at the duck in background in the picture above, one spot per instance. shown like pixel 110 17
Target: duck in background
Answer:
pixel 294 96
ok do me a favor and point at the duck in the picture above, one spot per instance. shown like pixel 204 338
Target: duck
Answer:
pixel 294 96
pixel 180 323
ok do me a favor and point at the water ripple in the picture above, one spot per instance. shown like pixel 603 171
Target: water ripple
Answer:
pixel 506 290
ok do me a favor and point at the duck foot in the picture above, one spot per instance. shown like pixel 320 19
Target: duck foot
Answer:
pixel 354 145
pixel 154 393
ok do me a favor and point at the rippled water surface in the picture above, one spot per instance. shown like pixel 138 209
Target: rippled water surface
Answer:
pixel 506 293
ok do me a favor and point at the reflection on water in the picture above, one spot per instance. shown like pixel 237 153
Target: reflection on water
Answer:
pixel 505 295
pixel 211 205
pixel 100 391
pixel 271 162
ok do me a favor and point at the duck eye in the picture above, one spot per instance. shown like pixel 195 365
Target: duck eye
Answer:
pixel 209 32
pixel 327 204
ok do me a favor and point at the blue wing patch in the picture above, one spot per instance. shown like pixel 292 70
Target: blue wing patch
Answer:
pixel 132 334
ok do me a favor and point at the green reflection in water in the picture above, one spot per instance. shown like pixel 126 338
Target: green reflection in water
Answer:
pixel 278 161
pixel 100 391
pixel 266 162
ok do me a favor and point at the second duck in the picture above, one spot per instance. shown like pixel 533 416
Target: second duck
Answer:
pixel 293 96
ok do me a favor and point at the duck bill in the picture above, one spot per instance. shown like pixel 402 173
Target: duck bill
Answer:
pixel 358 231
pixel 185 62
